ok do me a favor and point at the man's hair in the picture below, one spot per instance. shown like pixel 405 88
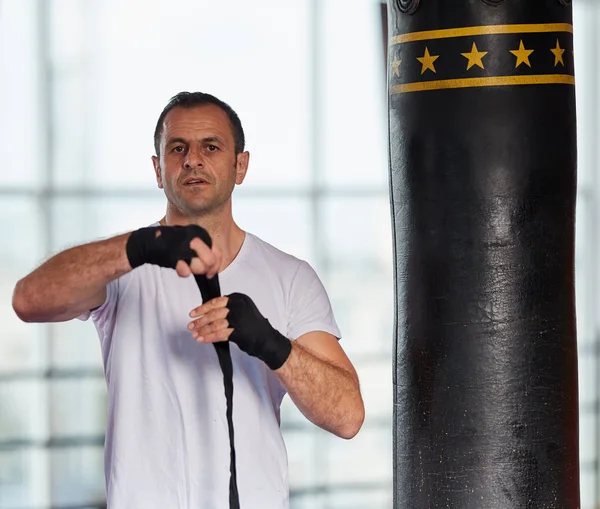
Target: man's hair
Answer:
pixel 193 99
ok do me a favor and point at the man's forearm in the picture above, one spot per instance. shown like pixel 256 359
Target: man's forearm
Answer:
pixel 63 286
pixel 327 395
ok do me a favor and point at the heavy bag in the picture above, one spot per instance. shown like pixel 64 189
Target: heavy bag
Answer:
pixel 483 186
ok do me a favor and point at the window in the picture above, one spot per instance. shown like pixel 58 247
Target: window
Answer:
pixel 86 81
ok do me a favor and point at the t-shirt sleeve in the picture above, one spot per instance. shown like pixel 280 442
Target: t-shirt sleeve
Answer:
pixel 310 308
pixel 104 316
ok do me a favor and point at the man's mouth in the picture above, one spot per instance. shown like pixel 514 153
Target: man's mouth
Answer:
pixel 195 182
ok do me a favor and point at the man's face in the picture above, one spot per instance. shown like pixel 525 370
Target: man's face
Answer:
pixel 197 166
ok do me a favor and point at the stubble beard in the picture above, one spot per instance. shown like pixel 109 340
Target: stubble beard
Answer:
pixel 189 207
pixel 186 207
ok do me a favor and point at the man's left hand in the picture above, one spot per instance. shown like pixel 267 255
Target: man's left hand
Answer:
pixel 236 318
pixel 211 324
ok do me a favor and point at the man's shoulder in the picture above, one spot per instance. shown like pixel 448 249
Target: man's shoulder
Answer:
pixel 262 249
pixel 281 262
pixel 264 255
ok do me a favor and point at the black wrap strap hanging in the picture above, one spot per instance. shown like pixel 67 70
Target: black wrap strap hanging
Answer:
pixel 210 289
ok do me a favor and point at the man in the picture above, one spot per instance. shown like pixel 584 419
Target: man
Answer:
pixel 167 440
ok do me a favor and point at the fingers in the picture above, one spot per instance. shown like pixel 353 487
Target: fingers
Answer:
pixel 213 337
pixel 218 302
pixel 198 267
pixel 210 317
pixel 182 269
pixel 212 326
pixel 208 260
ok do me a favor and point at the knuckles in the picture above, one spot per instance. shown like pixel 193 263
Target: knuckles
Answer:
pixel 210 318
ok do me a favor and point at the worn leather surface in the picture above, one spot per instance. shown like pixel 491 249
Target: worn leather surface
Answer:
pixel 483 185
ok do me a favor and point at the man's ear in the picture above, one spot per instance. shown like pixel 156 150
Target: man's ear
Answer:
pixel 156 164
pixel 241 167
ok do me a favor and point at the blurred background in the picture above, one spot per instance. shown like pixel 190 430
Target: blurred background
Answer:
pixel 82 83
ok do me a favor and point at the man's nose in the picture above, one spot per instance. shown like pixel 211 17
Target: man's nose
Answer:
pixel 194 159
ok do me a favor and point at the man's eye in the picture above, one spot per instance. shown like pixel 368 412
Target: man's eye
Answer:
pixel 178 148
pixel 212 148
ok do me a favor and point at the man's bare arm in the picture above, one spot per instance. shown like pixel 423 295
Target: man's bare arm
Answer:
pixel 323 384
pixel 74 281
pixel 314 369
pixel 71 282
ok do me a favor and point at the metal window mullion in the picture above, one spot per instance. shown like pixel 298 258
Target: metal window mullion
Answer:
pixel 316 202
pixel 593 236
pixel 45 94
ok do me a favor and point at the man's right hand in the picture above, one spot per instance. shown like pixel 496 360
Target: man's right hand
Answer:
pixel 187 249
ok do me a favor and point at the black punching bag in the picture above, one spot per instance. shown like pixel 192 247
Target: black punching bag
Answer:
pixel 483 186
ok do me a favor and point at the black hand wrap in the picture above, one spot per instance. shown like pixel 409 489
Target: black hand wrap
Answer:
pixel 164 245
pixel 253 333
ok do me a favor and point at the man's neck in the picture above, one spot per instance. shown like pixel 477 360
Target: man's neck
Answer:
pixel 226 235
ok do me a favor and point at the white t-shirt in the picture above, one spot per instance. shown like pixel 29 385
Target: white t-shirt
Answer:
pixel 167 443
